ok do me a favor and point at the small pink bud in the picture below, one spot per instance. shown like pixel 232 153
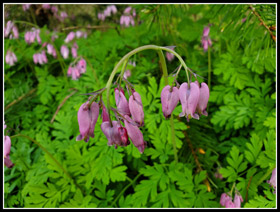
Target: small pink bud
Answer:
pixel 135 134
pixel 70 37
pixel 237 200
pixel 87 118
pixel 123 135
pixel 189 98
pixel 105 115
pixel 121 102
pixel 136 108
pixel 203 99
pixel 272 180
pixel 64 51
pixel 169 100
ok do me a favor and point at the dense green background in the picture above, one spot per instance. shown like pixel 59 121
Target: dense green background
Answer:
pixel 239 134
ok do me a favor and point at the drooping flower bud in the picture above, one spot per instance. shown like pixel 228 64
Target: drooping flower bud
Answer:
pixel 104 115
pixel 124 136
pixel 70 37
pixel 135 134
pixel 203 99
pixel 189 97
pixel 169 100
pixel 87 118
pixel 136 108
pixel 121 102
pixel 64 51
pixel 237 200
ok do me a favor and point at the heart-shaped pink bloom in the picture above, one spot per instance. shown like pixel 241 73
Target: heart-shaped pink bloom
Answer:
pixel 237 200
pixel 224 199
pixel 64 51
pixel 189 97
pixel 82 65
pixel 70 37
pixel 87 118
pixel 135 134
pixel 121 102
pixel 112 133
pixel 203 99
pixel 169 100
pixel 136 108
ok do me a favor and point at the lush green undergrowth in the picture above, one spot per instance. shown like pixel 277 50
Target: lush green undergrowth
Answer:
pixel 237 138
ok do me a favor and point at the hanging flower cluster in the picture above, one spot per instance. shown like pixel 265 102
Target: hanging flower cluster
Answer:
pixel 129 112
pixel 11 30
pixel 128 17
pixel 10 58
pixel 30 36
pixel 129 116
pixel 193 98
pixel 40 58
pixel 111 9
pixel 226 200
pixel 75 70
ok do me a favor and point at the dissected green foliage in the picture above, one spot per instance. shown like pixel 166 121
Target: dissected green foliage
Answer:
pixel 238 136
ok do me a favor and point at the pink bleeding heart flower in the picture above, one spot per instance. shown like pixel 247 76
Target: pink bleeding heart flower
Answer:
pixel 10 58
pixel 15 32
pixel 136 108
pixel 7 149
pixel 272 180
pixel 121 102
pixel 229 204
pixel 189 97
pixel 46 6
pixel 203 98
pixel 224 199
pixel 169 100
pixel 112 133
pixel 74 52
pixel 134 134
pixel 82 65
pixel 70 37
pixel 75 73
pixel 87 118
pixel 237 200
pixel 64 51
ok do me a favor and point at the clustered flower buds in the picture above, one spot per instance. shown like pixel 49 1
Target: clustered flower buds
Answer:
pixel 11 58
pixel 11 30
pixel 226 200
pixel 169 55
pixel 107 12
pixel 192 97
pixel 51 50
pixel 7 149
pixel 130 112
pixel 30 36
pixel 40 58
pixel 75 71
pixel 127 18
pixel 205 40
